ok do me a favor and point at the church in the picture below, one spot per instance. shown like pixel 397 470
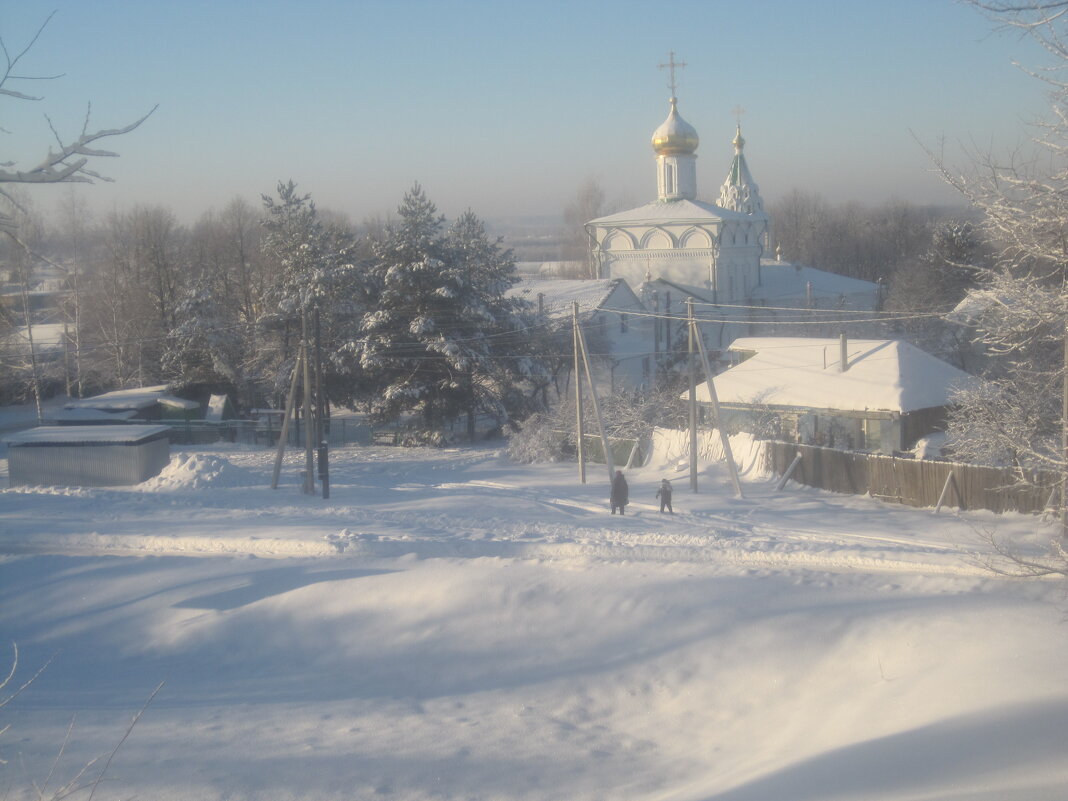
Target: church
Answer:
pixel 679 238
pixel 679 246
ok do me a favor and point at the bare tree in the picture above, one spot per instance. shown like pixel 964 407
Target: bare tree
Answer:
pixel 69 160
pixel 588 204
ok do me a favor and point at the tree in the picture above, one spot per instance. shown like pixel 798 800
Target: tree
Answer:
pixel 1019 307
pixel 588 204
pixel 70 161
pixel 441 339
pixel 308 265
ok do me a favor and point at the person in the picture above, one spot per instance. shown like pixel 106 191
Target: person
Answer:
pixel 620 491
pixel 664 494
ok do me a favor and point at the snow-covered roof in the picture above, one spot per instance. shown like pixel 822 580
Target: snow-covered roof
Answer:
pixel 613 294
pixel 781 282
pixel 85 435
pixel 882 375
pixel 137 398
pixel 91 415
pixel 675 211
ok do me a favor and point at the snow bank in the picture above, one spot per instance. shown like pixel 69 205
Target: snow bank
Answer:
pixel 670 452
pixel 188 471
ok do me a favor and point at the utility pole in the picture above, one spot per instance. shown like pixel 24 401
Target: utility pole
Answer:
pixel 309 425
pixel 693 394
pixel 291 399
pixel 321 407
pixel 713 397
pixel 578 393
pixel 1064 443
pixel 596 407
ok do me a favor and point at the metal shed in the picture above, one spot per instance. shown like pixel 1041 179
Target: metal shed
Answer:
pixel 87 456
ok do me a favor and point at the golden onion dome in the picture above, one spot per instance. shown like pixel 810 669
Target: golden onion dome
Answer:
pixel 675 136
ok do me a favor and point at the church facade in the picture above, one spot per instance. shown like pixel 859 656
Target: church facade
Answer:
pixel 678 238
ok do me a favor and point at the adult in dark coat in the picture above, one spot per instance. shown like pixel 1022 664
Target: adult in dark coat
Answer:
pixel 620 492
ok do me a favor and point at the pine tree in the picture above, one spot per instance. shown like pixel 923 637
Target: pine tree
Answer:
pixel 442 339
pixel 313 269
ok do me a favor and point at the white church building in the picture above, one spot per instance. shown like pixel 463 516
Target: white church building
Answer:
pixel 714 247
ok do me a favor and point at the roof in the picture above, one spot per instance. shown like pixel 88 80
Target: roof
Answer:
pixel 781 284
pixel 86 435
pixel 739 191
pixel 92 414
pixel 883 375
pixel 682 210
pixel 591 294
pixel 137 398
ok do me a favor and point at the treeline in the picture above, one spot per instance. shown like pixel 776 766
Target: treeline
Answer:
pixel 414 315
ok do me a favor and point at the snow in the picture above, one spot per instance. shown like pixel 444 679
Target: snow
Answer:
pixel 680 210
pixel 590 294
pixel 882 374
pixel 783 284
pixel 86 435
pixel 449 625
pixel 137 398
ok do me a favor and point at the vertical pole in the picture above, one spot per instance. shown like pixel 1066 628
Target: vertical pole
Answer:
pixel 309 427
pixel 693 395
pixel 291 400
pixel 323 455
pixel 668 344
pixel 713 398
pixel 596 407
pixel 1064 443
pixel 319 404
pixel 656 331
pixel 578 394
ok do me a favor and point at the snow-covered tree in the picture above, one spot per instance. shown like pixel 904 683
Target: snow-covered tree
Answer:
pixel 310 267
pixel 440 338
pixel 1019 308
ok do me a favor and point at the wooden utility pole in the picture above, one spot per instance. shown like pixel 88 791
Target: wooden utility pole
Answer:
pixel 291 400
pixel 693 395
pixel 578 394
pixel 596 407
pixel 713 398
pixel 1064 443
pixel 321 408
pixel 309 423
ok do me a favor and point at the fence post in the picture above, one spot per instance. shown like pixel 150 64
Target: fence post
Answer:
pixel 789 472
pixel 945 491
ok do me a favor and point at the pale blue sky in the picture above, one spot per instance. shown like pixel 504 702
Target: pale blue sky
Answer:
pixel 505 107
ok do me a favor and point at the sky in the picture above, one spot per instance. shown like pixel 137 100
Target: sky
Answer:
pixel 507 108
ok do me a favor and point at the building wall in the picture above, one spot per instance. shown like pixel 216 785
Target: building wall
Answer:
pixel 86 465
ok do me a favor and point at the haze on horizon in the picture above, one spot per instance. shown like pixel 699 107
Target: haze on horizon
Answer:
pixel 508 109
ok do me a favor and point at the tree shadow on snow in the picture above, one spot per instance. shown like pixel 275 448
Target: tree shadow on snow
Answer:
pixel 266 583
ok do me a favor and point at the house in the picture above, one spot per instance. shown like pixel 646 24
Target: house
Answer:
pixel 883 396
pixel 606 306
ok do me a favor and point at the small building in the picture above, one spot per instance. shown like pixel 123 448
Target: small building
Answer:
pixel 882 397
pixel 140 403
pixel 87 456
pixel 607 306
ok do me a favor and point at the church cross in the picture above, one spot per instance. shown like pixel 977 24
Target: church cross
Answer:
pixel 738 111
pixel 672 65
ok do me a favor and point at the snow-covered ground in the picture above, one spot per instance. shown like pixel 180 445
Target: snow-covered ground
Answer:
pixel 450 625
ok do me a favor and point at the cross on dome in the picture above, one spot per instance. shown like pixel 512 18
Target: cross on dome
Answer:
pixel 671 65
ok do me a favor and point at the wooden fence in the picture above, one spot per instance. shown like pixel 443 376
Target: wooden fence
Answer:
pixel 914 482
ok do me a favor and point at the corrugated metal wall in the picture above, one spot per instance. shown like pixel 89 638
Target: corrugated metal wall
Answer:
pixel 87 465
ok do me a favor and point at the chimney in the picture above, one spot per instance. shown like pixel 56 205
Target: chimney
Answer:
pixel 843 363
